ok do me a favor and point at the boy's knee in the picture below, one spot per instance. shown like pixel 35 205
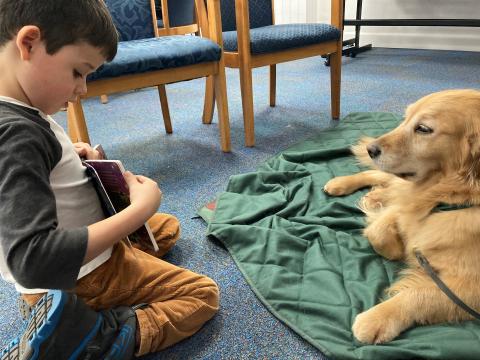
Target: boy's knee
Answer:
pixel 209 293
pixel 164 226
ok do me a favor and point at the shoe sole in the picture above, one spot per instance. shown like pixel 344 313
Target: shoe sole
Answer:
pixel 43 320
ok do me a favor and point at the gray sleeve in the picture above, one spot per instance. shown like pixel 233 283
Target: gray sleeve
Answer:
pixel 37 252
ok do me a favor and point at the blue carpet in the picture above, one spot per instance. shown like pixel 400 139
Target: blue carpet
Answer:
pixel 191 169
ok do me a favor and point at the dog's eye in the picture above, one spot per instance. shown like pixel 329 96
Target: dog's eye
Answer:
pixel 423 129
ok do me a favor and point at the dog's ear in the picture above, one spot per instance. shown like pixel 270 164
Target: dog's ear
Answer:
pixel 361 153
pixel 473 158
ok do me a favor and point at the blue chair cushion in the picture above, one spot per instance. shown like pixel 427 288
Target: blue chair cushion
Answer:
pixel 160 23
pixel 139 56
pixel 273 38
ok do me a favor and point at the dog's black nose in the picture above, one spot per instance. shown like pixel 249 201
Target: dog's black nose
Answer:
pixel 374 151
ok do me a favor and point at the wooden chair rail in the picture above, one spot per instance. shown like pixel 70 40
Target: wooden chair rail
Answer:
pixel 148 79
pixel 174 30
pixel 179 30
pixel 259 60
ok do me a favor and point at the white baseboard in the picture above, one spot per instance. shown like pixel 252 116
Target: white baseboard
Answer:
pixel 425 38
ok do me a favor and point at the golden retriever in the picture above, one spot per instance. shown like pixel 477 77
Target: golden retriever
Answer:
pixel 432 157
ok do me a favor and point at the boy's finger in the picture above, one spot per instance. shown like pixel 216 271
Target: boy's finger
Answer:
pixel 81 151
pixel 82 145
pixel 129 177
pixel 141 178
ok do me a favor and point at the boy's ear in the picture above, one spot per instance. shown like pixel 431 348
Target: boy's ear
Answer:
pixel 27 38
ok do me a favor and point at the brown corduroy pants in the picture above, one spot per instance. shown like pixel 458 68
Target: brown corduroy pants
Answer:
pixel 178 301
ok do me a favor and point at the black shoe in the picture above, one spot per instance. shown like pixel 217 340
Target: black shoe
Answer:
pixel 62 326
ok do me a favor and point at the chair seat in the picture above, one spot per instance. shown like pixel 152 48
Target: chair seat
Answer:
pixel 273 38
pixel 144 55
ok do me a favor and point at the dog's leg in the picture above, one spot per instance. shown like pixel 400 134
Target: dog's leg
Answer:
pixel 419 302
pixel 374 200
pixel 384 236
pixel 383 322
pixel 344 185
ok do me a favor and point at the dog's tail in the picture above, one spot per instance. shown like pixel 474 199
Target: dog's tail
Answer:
pixel 360 152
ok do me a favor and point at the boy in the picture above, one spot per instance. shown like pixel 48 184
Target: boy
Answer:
pixel 53 234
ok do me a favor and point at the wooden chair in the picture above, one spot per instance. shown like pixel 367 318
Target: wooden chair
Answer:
pixel 251 39
pixel 143 60
pixel 178 17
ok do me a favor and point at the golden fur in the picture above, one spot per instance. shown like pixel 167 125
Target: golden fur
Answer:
pixel 432 157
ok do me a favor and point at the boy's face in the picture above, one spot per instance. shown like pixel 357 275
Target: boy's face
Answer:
pixel 50 81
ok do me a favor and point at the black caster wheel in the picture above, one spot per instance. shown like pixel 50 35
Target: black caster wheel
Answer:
pixel 327 61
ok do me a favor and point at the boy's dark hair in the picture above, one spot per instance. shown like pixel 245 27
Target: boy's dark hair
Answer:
pixel 61 22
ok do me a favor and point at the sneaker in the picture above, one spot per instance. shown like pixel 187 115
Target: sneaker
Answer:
pixel 24 308
pixel 62 326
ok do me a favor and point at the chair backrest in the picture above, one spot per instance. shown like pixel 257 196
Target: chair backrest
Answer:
pixel 260 13
pixel 181 12
pixel 178 17
pixel 132 18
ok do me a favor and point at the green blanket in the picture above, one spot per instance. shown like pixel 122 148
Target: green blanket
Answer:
pixel 303 254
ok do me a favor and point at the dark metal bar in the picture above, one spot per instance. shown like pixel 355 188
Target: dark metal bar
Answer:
pixel 354 50
pixel 351 46
pixel 358 16
pixel 414 22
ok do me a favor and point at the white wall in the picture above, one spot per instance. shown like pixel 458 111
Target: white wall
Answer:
pixel 447 38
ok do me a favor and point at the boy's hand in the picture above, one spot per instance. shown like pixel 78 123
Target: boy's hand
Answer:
pixel 85 151
pixel 144 193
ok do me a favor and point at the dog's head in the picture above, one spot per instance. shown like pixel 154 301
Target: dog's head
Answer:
pixel 440 135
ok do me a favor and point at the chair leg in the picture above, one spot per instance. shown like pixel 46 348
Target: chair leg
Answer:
pixel 162 92
pixel 209 104
pixel 273 84
pixel 77 128
pixel 247 104
pixel 221 99
pixel 104 99
pixel 72 133
pixel 335 81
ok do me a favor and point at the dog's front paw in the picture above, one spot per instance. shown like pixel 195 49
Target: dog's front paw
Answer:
pixel 338 186
pixel 375 327
pixel 384 237
pixel 373 200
